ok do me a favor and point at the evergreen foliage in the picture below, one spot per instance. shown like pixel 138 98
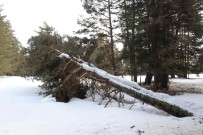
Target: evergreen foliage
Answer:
pixel 162 36
pixel 44 64
pixel 10 49
pixel 101 21
pixel 39 50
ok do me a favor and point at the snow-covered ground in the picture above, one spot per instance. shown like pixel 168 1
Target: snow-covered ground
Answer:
pixel 24 112
pixel 194 84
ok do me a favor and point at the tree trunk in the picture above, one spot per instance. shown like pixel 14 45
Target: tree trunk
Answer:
pixel 148 78
pixel 113 63
pixel 95 74
pixel 156 81
pixel 132 46
pixel 159 104
pixel 172 75
pixel 164 80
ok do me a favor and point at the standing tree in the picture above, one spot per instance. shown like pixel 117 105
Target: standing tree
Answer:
pixel 102 20
pixel 10 56
pixel 128 19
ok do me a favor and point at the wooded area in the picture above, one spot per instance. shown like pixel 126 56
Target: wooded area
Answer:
pixel 160 39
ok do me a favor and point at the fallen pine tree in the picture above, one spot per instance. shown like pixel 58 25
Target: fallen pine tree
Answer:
pixel 74 76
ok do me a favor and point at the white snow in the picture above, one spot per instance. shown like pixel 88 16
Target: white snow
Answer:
pixel 63 55
pixel 24 112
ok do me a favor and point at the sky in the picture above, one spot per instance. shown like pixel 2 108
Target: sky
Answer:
pixel 26 16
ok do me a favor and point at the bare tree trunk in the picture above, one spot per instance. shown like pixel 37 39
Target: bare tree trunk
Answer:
pixel 127 39
pixel 113 63
pixel 131 42
pixel 164 80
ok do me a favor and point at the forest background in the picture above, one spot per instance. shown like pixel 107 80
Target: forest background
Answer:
pixel 160 39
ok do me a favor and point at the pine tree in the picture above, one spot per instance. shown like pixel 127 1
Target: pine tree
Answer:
pixel 10 56
pixel 128 13
pixel 102 20
pixel 39 51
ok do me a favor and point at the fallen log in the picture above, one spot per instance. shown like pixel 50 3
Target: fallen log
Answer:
pixel 129 88
pixel 160 104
